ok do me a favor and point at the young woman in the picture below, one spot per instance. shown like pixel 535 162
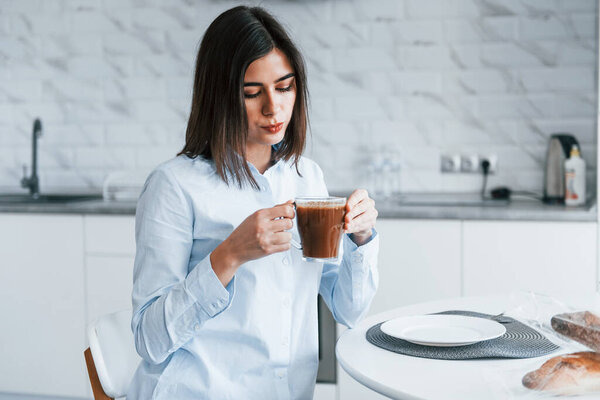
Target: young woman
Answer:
pixel 222 307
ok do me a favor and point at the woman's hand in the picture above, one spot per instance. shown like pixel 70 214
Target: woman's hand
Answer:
pixel 360 216
pixel 259 235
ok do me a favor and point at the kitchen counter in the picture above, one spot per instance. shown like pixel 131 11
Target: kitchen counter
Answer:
pixel 515 210
pixel 75 207
pixel 408 206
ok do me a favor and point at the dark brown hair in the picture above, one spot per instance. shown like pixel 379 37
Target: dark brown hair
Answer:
pixel 218 125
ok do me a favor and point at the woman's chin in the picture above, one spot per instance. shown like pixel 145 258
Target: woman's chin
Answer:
pixel 271 139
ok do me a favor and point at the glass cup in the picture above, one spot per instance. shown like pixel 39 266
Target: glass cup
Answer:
pixel 320 222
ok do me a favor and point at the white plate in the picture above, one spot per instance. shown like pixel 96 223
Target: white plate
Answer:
pixel 443 330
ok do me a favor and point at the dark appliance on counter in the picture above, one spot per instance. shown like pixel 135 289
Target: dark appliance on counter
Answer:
pixel 559 148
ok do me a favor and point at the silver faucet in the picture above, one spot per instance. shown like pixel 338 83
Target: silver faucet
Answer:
pixel 32 182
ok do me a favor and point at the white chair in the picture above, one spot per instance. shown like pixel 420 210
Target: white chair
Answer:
pixel 111 358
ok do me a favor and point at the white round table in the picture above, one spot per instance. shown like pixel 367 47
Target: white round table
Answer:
pixel 404 377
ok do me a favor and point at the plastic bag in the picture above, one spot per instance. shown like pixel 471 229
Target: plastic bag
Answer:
pixel 581 326
pixel 537 311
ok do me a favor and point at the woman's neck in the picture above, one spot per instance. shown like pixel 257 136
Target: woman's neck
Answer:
pixel 260 157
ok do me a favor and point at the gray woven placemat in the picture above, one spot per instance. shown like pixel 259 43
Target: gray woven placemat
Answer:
pixel 519 341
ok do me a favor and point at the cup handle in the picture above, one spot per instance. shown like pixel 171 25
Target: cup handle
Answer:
pixel 296 244
pixel 293 241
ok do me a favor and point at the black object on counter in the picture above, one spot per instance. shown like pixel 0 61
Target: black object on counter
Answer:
pixel 501 193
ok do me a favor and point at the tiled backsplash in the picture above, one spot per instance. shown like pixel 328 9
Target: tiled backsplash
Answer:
pixel 111 81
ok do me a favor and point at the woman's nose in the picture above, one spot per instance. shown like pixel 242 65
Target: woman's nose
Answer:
pixel 271 105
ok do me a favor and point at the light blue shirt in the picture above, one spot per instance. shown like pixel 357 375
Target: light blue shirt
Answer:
pixel 257 338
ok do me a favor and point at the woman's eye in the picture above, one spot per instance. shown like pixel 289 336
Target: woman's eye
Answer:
pixel 282 89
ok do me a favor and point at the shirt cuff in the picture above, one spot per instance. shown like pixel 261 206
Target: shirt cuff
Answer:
pixel 366 251
pixel 208 291
pixel 373 233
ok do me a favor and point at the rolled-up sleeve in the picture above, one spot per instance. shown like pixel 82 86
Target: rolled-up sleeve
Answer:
pixel 170 303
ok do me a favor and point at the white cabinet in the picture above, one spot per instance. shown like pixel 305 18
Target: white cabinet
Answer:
pixel 419 260
pixel 109 256
pixel 42 305
pixel 110 235
pixel 58 273
pixel 553 258
pixel 325 391
pixel 109 243
pixel 109 284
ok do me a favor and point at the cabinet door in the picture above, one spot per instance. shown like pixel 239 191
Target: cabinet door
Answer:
pixel 110 252
pixel 109 284
pixel 42 305
pixel 325 391
pixel 553 258
pixel 419 260
pixel 110 235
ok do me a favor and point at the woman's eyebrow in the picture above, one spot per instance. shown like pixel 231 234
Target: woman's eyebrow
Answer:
pixel 278 80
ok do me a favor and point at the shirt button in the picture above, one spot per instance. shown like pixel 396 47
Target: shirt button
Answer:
pixel 358 257
pixel 286 261
pixel 281 374
pixel 197 327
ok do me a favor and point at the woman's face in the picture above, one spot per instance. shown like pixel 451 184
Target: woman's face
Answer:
pixel 269 94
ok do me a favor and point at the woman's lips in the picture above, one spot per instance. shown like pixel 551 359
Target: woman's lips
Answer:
pixel 273 128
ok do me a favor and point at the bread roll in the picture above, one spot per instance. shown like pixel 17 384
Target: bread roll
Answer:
pixel 583 327
pixel 568 374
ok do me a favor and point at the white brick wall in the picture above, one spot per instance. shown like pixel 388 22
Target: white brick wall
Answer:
pixel 111 81
pixel 571 80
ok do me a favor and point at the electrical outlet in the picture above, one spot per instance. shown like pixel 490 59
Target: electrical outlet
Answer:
pixel 493 160
pixel 469 163
pixel 450 163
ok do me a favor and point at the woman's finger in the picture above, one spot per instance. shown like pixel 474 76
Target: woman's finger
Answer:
pixel 360 208
pixel 363 222
pixel 280 225
pixel 280 238
pixel 285 210
pixel 356 197
pixel 279 248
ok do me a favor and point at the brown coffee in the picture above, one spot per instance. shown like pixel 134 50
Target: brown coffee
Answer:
pixel 320 226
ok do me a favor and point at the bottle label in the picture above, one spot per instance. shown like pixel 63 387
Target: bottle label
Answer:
pixel 570 185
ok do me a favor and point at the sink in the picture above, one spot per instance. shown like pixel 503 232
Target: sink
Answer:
pixel 47 198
